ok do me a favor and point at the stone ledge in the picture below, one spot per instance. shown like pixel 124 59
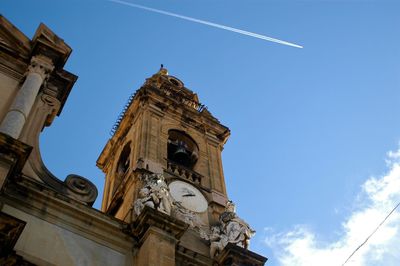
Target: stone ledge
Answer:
pixel 237 256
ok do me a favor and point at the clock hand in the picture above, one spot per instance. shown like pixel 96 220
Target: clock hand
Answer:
pixel 188 195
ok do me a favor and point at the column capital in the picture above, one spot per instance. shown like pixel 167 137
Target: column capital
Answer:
pixel 41 65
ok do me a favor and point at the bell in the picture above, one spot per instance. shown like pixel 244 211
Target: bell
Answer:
pixel 181 154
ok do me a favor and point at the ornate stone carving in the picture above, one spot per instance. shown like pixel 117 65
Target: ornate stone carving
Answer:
pixel 145 199
pixel 41 65
pixel 80 185
pixel 188 216
pixel 154 193
pixel 231 229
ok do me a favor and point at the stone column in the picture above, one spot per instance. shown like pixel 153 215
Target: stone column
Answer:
pixel 17 115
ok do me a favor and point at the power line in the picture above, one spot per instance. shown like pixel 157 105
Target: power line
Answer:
pixel 376 229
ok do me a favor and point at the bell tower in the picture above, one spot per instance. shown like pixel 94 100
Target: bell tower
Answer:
pixel 165 155
pixel 165 130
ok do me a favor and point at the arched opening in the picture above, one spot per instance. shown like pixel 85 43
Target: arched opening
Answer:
pixel 122 167
pixel 182 149
pixel 124 159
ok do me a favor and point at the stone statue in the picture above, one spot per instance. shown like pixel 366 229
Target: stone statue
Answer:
pixel 231 229
pixel 237 230
pixel 161 191
pixel 145 199
pixel 218 241
pixel 155 194
pixel 187 216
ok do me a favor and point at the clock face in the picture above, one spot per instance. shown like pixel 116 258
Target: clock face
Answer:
pixel 189 196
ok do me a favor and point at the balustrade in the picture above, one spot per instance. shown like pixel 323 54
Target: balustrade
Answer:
pixel 183 172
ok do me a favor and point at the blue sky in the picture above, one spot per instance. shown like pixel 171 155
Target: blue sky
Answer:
pixel 310 127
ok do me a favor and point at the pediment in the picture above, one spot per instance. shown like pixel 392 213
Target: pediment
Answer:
pixel 12 40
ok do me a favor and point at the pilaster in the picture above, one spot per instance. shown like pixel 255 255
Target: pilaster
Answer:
pixel 157 234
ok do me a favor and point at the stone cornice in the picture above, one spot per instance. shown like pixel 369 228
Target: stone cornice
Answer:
pixel 46 42
pixel 13 41
pixel 236 256
pixel 63 81
pixel 150 217
pixel 33 197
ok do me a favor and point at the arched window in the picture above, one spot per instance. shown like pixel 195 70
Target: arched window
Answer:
pixel 182 149
pixel 124 159
pixel 122 167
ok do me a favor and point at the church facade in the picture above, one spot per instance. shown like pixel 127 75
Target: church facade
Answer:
pixel 164 200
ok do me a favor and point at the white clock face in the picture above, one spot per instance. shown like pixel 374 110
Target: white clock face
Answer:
pixel 189 196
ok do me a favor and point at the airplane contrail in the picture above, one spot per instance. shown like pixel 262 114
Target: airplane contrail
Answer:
pixel 215 25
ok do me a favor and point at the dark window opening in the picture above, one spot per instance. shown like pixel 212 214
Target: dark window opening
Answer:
pixel 122 166
pixel 182 149
pixel 124 159
pixel 115 205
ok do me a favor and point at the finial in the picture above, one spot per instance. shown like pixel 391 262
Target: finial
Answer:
pixel 163 71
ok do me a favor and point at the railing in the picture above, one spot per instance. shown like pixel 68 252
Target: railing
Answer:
pixel 180 97
pixel 183 172
pixel 122 114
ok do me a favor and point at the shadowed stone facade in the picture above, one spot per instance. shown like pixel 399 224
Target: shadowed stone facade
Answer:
pixel 164 201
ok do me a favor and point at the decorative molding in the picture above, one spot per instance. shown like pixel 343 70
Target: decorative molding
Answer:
pixel 234 255
pixel 151 217
pixel 74 186
pixel 41 65
pixel 33 198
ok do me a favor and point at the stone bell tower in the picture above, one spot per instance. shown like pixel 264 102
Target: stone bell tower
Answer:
pixel 164 178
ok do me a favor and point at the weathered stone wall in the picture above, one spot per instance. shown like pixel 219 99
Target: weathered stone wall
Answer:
pixel 44 243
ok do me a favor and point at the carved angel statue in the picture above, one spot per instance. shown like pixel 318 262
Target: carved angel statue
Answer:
pixel 231 229
pixel 237 230
pixel 161 191
pixel 155 194
pixel 218 241
pixel 145 199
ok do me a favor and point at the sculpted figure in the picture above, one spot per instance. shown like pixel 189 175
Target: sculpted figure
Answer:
pixel 218 241
pixel 154 193
pixel 161 191
pixel 236 230
pixel 231 229
pixel 187 216
pixel 145 199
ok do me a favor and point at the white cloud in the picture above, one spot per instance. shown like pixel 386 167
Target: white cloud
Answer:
pixel 300 246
